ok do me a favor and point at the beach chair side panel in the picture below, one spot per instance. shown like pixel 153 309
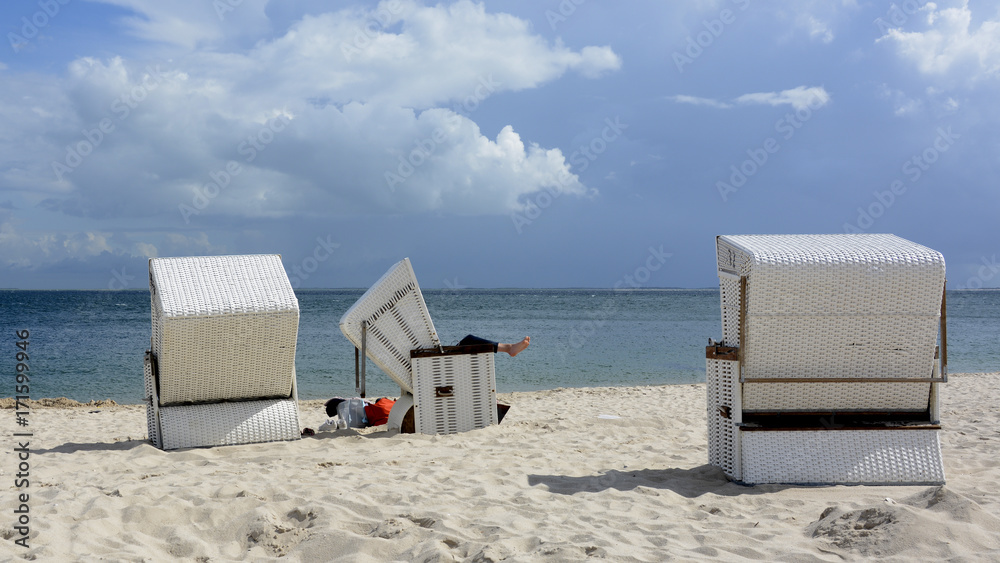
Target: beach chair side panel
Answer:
pixel 723 416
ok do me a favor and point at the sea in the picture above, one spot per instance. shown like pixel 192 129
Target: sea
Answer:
pixel 89 345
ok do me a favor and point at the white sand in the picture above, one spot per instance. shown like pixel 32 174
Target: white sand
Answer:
pixel 553 482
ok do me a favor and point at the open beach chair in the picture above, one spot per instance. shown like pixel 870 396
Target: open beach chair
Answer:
pixel 448 389
pixel 221 364
pixel 829 368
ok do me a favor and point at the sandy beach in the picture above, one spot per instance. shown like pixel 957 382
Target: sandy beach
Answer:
pixel 554 482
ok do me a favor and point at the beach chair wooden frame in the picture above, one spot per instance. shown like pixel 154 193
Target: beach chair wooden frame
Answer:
pixel 829 367
pixel 221 365
pixel 443 389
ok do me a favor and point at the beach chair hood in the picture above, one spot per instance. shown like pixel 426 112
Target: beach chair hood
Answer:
pixel 395 320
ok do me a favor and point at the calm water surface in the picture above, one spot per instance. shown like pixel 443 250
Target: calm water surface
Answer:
pixel 89 344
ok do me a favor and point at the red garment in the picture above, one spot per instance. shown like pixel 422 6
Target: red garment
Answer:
pixel 378 413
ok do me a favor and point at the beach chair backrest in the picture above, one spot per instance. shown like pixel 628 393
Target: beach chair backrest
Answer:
pixel 395 320
pixel 223 328
pixel 864 306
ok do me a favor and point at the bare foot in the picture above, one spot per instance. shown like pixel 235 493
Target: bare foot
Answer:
pixel 516 348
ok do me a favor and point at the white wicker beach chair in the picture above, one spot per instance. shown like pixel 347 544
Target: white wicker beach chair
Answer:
pixel 829 368
pixel 449 388
pixel 221 365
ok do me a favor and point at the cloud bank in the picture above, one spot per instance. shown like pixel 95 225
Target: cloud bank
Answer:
pixel 347 112
pixel 354 112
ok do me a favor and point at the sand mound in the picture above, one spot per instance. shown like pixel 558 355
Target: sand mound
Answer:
pixel 876 531
pixel 928 522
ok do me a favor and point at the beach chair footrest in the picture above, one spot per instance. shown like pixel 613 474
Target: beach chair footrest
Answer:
pixel 859 457
pixel 229 423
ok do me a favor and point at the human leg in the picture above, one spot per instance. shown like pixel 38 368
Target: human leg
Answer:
pixel 472 340
pixel 512 349
pixel 515 348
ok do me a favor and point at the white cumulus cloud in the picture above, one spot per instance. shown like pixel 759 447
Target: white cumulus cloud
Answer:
pixel 318 121
pixel 356 111
pixel 949 42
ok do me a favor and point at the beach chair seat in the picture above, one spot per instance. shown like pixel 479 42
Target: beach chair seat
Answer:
pixel 447 389
pixel 829 366
pixel 221 365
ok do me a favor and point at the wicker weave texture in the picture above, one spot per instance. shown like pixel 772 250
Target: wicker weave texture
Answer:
pixel 397 322
pixel 839 397
pixel 222 285
pixel 832 306
pixel 722 432
pixel 729 294
pixel 842 456
pixel 788 346
pixel 222 424
pixel 224 327
pixel 454 393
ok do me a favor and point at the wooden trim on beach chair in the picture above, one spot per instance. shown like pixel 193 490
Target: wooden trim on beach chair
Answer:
pixel 719 352
pixel 804 421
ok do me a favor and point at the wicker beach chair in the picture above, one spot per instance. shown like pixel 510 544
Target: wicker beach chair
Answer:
pixel 221 365
pixel 829 368
pixel 449 388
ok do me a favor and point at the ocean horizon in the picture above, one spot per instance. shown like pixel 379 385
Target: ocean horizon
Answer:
pixel 89 344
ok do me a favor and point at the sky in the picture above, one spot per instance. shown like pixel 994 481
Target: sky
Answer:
pixel 523 143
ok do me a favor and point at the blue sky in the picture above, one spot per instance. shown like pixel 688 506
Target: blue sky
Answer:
pixel 542 143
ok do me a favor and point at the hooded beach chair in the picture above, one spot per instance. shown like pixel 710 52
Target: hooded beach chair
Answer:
pixel 448 388
pixel 829 367
pixel 221 364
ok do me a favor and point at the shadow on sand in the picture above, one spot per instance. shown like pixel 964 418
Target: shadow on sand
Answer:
pixel 73 447
pixel 689 483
